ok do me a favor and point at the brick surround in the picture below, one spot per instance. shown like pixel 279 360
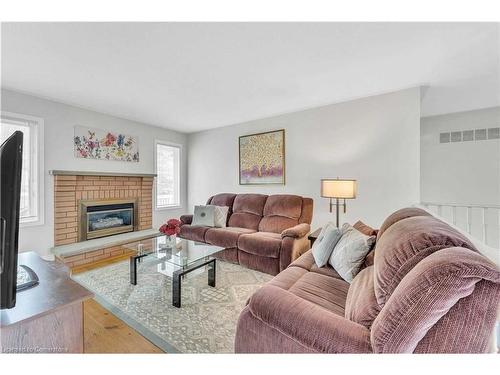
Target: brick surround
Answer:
pixel 95 256
pixel 70 189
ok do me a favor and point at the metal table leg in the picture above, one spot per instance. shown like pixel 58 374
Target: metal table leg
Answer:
pixel 211 273
pixel 133 270
pixel 176 288
pixel 178 275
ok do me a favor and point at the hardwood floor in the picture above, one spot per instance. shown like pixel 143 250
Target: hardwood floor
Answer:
pixel 105 333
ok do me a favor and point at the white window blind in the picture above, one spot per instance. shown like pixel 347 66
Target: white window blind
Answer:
pixel 31 206
pixel 167 163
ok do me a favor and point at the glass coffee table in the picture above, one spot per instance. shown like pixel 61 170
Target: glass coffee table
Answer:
pixel 180 257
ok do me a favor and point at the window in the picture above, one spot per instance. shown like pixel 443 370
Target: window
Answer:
pixel 167 175
pixel 31 206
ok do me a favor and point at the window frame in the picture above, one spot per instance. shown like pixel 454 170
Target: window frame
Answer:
pixel 37 172
pixel 179 184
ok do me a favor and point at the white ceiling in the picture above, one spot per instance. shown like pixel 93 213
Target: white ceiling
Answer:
pixel 195 76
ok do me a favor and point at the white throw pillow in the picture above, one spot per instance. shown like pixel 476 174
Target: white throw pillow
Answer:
pixel 204 216
pixel 323 245
pixel 350 252
pixel 220 216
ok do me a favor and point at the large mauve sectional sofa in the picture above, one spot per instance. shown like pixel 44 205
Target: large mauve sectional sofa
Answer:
pixel 428 291
pixel 264 232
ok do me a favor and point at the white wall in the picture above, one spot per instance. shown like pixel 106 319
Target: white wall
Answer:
pixel 59 120
pixel 463 172
pixel 460 172
pixel 375 140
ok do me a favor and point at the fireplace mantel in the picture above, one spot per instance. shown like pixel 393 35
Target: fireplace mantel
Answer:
pixel 56 172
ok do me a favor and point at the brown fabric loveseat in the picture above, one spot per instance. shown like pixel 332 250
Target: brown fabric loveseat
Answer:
pixel 428 291
pixel 264 232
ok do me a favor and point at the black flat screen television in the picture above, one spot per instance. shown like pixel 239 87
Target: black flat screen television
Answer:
pixel 11 154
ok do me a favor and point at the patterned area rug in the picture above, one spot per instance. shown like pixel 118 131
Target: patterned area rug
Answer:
pixel 206 322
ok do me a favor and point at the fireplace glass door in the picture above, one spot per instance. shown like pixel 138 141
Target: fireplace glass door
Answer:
pixel 106 220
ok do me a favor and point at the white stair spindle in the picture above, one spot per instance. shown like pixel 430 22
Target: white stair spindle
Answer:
pixel 498 210
pixel 469 220
pixel 485 226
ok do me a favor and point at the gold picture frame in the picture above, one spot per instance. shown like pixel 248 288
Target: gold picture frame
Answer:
pixel 262 158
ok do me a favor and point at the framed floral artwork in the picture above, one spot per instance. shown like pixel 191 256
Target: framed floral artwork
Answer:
pixel 262 158
pixel 105 145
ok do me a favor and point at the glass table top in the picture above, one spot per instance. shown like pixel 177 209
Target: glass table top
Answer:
pixel 179 252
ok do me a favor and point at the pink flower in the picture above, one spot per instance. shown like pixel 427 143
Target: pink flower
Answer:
pixel 110 139
pixel 173 226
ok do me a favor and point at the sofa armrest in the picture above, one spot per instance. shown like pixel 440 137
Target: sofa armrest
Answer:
pixel 291 249
pixel 305 322
pixel 186 219
pixel 300 230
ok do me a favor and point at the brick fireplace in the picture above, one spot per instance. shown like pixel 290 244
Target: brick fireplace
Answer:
pixel 74 190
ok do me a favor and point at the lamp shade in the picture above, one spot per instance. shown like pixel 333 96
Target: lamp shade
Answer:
pixel 338 188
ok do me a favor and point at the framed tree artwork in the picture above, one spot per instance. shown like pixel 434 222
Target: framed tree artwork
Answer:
pixel 262 158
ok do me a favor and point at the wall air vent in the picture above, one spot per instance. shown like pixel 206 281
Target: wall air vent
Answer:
pixel 480 134
pixel 493 133
pixel 456 136
pixel 444 138
pixel 469 135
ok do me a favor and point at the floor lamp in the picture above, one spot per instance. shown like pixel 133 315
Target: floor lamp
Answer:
pixel 337 189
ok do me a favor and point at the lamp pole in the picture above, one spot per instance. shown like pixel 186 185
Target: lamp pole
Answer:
pixel 337 214
pixel 337 206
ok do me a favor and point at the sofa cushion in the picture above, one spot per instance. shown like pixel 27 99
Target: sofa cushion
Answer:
pixel 247 211
pixel 404 244
pixel 325 291
pixel 361 305
pixel 281 212
pixel 305 322
pixel 223 199
pixel 369 231
pixel 350 251
pixel 204 216
pixel 321 289
pixel 264 244
pixel 401 214
pixel 193 232
pixel 306 261
pixel 307 210
pixel 288 277
pixel 220 216
pixel 427 293
pixel 225 237
pixel 325 243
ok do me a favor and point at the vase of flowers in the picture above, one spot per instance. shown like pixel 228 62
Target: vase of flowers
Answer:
pixel 171 228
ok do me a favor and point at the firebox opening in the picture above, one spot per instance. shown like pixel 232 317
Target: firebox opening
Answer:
pixel 101 218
